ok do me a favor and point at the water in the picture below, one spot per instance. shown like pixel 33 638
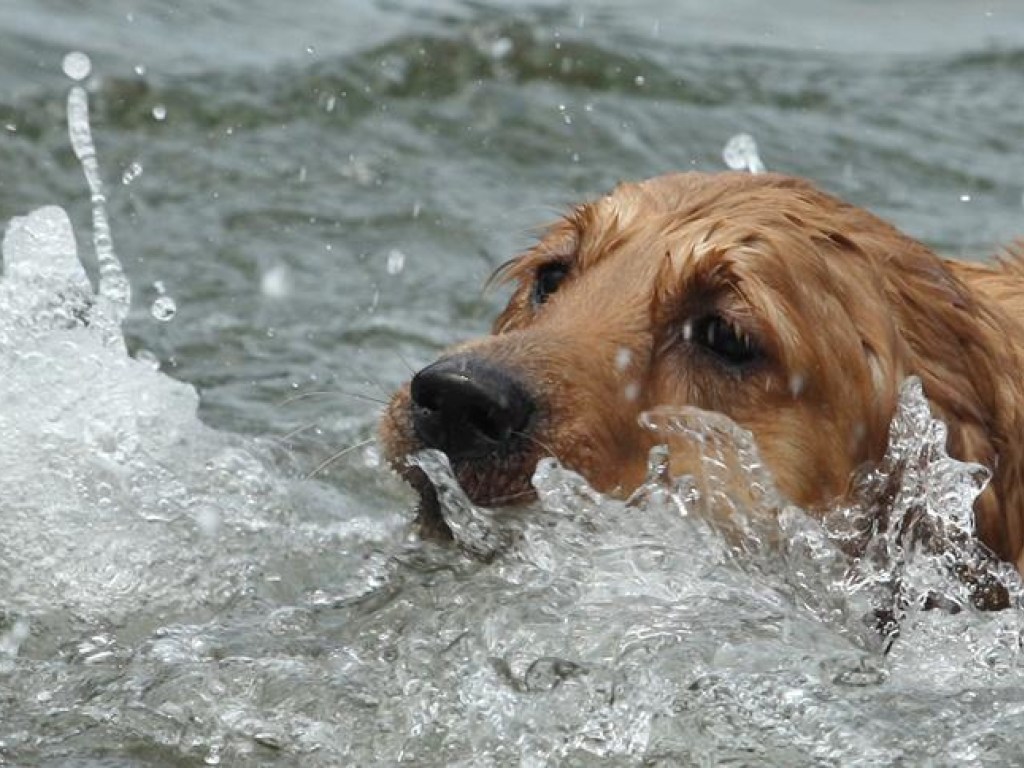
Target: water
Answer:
pixel 187 573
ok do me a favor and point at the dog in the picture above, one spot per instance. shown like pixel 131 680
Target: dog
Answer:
pixel 759 296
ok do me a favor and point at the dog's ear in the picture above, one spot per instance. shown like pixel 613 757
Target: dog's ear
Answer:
pixel 964 348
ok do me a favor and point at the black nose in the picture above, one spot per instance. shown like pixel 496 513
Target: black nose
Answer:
pixel 468 408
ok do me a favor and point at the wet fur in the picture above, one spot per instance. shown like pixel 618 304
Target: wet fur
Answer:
pixel 843 305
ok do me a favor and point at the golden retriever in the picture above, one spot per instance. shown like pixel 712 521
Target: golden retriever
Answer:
pixel 758 296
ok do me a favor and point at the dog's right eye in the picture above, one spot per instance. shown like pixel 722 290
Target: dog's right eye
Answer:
pixel 725 340
pixel 549 278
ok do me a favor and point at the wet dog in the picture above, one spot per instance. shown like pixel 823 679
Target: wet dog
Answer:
pixel 757 296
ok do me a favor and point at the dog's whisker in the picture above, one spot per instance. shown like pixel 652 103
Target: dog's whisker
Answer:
pixel 334 457
pixel 405 362
pixel 511 498
pixel 330 393
pixel 539 443
pixel 287 436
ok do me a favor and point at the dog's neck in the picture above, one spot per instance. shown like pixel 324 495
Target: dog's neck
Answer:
pixel 977 386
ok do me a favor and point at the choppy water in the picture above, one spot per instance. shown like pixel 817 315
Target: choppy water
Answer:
pixel 305 203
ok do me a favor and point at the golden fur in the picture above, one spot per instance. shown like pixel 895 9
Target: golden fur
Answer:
pixel 842 307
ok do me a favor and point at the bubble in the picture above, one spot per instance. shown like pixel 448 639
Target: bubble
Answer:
pixel 76 65
pixel 396 261
pixel 159 112
pixel 163 309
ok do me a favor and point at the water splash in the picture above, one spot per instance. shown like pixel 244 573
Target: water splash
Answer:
pixel 913 524
pixel 905 545
pixel 164 307
pixel 114 289
pixel 740 154
pixel 477 529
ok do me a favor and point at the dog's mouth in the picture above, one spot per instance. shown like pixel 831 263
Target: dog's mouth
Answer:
pixel 429 517
pixel 504 482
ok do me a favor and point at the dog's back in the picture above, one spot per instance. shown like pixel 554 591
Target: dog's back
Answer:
pixel 1001 281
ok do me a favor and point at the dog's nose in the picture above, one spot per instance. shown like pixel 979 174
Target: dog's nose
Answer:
pixel 468 408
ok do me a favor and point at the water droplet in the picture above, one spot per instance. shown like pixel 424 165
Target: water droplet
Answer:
pixel 77 65
pixel 640 81
pixel 208 521
pixel 396 261
pixel 501 48
pixel 163 309
pixel 148 358
pixel 113 285
pixel 11 641
pixel 131 173
pixel 371 457
pixel 622 358
pixel 740 154
pixel 159 112
pixel 276 282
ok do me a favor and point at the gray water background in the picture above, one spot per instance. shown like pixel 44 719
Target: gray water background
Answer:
pixel 322 136
pixel 315 145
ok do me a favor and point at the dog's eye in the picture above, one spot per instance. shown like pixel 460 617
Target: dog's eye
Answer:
pixel 549 277
pixel 724 339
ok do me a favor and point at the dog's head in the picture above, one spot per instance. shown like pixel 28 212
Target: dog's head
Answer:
pixel 760 297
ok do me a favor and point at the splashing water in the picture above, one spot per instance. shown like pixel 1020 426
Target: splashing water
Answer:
pixel 704 617
pixel 114 289
pixel 740 154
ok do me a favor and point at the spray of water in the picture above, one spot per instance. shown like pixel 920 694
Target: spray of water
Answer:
pixel 740 154
pixel 114 289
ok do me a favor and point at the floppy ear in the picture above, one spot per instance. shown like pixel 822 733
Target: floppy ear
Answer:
pixel 967 350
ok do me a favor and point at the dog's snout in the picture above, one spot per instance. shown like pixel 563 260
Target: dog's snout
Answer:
pixel 468 408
